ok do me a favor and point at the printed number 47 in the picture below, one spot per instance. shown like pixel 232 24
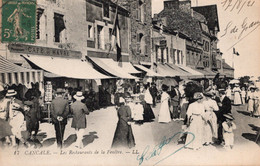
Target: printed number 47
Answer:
pixel 7 33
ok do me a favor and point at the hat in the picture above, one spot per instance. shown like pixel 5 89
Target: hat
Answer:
pixel 121 100
pixel 79 96
pixel 197 95
pixel 222 91
pixel 208 93
pixel 60 90
pixel 28 103
pixel 252 87
pixel 236 85
pixel 11 92
pixel 229 116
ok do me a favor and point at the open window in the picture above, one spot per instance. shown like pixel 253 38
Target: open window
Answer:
pixel 59 25
pixel 40 25
pixel 106 9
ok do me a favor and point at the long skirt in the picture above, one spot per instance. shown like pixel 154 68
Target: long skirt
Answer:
pixel 123 137
pixel 196 139
pixel 237 98
pixel 250 106
pixel 164 114
pixel 184 108
pixel 256 108
pixel 148 112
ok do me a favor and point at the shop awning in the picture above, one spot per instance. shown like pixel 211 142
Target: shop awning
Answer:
pixel 149 73
pixel 129 68
pixel 207 73
pixel 110 66
pixel 167 71
pixel 194 73
pixel 180 72
pixel 66 67
pixel 14 74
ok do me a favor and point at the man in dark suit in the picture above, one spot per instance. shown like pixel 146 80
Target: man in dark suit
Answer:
pixel 59 111
pixel 224 108
pixel 153 90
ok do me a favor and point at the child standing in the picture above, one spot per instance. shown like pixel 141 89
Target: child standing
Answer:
pixel 228 127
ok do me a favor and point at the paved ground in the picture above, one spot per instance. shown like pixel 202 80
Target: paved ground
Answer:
pixel 101 125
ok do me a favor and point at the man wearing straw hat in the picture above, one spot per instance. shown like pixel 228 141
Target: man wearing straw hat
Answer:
pixel 15 116
pixel 79 121
pixel 59 111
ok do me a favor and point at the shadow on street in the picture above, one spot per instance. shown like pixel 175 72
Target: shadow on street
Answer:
pixel 250 136
pixel 87 139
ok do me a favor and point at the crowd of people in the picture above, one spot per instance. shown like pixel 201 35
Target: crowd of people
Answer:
pixel 206 112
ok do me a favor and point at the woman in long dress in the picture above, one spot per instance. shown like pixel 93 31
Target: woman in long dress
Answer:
pixel 229 92
pixel 123 137
pixel 147 102
pixel 237 95
pixel 251 100
pixel 211 127
pixel 195 114
pixel 164 114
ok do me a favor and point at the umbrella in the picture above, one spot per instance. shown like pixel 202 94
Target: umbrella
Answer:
pixel 234 81
pixel 169 82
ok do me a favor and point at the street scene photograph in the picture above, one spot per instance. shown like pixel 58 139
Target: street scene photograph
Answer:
pixel 129 82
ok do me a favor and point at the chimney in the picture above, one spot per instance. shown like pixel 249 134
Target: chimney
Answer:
pixel 172 4
pixel 185 5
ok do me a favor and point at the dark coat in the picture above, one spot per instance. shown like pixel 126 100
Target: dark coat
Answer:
pixel 175 97
pixel 33 116
pixel 153 90
pixel 59 107
pixel 123 136
pixel 79 111
pixel 224 109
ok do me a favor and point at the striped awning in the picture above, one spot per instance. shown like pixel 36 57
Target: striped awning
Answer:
pixel 11 73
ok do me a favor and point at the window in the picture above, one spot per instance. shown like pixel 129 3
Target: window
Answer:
pixel 167 55
pixel 40 25
pixel 156 52
pixel 110 34
pixel 100 37
pixel 59 24
pixel 106 9
pixel 90 31
pixel 178 57
pixel 141 43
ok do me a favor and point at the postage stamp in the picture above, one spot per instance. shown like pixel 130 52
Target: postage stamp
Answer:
pixel 19 21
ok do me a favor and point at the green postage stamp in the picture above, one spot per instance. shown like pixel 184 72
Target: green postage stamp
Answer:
pixel 19 21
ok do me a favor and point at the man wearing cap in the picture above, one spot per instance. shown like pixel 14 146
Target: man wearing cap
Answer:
pixel 224 108
pixel 59 111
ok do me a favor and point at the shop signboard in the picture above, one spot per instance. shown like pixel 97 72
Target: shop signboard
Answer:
pixel 48 92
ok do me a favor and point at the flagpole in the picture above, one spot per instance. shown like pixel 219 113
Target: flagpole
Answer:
pixel 113 27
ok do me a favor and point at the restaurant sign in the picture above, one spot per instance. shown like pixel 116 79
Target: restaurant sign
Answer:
pixel 47 51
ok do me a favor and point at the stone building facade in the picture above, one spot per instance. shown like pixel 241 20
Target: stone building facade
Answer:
pixel 141 23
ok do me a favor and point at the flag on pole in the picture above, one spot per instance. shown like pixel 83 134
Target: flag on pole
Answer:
pixel 116 40
pixel 235 52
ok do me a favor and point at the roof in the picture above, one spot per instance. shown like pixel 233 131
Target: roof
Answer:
pixel 177 20
pixel 227 66
pixel 211 14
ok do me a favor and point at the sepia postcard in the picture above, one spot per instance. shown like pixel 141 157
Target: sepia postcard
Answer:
pixel 129 82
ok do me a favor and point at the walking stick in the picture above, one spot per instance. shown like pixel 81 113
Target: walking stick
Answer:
pixel 61 135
